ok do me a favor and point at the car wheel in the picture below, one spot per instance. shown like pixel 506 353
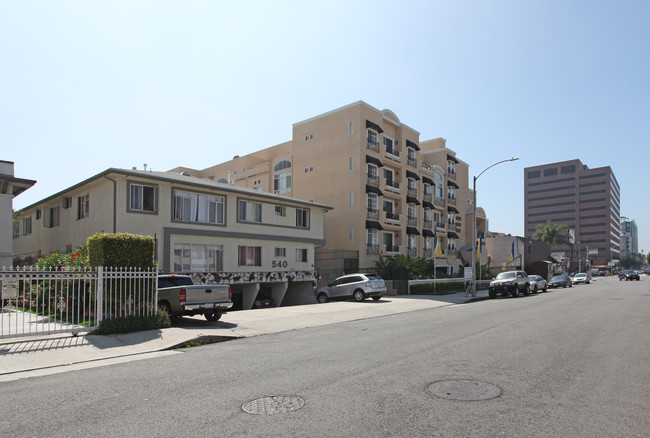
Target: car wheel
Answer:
pixel 545 289
pixel 526 290
pixel 534 289
pixel 214 316
pixel 164 307
pixel 321 298
pixel 376 298
pixel 514 292
pixel 359 296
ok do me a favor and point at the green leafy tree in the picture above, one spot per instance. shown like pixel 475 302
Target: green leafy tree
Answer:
pixel 552 233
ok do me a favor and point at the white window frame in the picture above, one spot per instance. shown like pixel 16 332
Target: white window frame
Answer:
pixel 83 206
pixel 302 255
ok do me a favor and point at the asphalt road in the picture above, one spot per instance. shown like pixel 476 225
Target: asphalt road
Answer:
pixel 572 362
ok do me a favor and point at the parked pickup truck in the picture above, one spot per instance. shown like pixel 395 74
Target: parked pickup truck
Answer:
pixel 178 296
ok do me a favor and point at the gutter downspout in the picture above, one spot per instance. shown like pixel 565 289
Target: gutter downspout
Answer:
pixel 114 203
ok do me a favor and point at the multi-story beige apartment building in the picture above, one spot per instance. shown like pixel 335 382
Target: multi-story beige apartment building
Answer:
pixel 391 193
pixel 255 241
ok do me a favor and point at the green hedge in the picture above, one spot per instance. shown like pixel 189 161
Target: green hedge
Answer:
pixel 446 288
pixel 132 324
pixel 121 250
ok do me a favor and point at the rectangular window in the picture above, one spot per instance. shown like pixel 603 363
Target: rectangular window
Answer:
pixel 351 129
pixel 372 238
pixel 67 202
pixel 27 226
pixel 197 207
pixel 550 172
pixel 250 256
pixel 250 211
pixel 83 206
pixel 373 138
pixel 280 252
pixel 350 163
pixel 280 210
pixel 142 197
pixel 16 231
pixel 52 215
pixel 301 255
pixel 350 234
pixel 534 174
pixel 350 199
pixel 302 217
pixel 282 183
pixel 198 258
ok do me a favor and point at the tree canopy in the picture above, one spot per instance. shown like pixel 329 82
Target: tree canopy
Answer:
pixel 552 233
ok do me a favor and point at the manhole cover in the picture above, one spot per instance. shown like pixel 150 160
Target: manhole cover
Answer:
pixel 469 390
pixel 274 404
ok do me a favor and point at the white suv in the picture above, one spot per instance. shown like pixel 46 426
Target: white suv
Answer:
pixel 357 286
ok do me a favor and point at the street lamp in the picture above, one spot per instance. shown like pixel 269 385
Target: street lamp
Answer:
pixel 474 226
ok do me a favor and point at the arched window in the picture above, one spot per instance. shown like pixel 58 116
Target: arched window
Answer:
pixel 284 164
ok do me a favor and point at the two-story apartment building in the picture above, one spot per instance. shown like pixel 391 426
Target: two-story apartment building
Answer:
pixel 257 242
pixel 391 193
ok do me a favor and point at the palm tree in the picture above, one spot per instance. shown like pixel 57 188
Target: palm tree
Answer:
pixel 552 233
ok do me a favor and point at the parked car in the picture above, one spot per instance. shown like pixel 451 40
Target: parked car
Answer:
pixel 559 281
pixel 510 283
pixel 537 283
pixel 580 278
pixel 178 296
pixel 628 274
pixel 357 286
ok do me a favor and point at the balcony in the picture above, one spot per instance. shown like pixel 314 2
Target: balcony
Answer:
pixel 392 151
pixel 392 184
pixel 451 200
pixel 413 252
pixel 440 225
pixel 428 224
pixel 412 220
pixel 372 248
pixel 392 248
pixel 372 144
pixel 438 201
pixel 411 161
pixel 413 192
pixel 392 216
pixel 373 213
pixel 451 174
pixel 373 179
pixel 428 197
pixel 428 253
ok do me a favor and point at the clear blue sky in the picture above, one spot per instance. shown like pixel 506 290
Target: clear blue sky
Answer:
pixel 88 85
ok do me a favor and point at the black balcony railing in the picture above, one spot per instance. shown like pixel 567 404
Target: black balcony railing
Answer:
pixel 392 248
pixel 372 248
pixel 392 216
pixel 373 179
pixel 391 183
pixel 392 151
pixel 373 213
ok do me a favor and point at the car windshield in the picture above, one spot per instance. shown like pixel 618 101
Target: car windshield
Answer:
pixel 581 275
pixel 505 275
pixel 558 277
pixel 629 272
pixel 532 277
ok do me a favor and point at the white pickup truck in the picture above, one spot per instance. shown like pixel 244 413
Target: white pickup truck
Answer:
pixel 178 296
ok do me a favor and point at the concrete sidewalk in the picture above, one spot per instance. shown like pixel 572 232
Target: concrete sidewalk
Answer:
pixel 29 357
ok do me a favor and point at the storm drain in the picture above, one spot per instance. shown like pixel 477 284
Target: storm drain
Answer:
pixel 273 404
pixel 466 390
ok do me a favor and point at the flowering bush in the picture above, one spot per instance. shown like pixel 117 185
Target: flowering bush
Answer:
pixel 71 261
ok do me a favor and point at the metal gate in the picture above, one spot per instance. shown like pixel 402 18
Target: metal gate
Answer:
pixel 35 302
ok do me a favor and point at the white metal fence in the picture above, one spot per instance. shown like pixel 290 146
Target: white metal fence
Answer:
pixel 39 302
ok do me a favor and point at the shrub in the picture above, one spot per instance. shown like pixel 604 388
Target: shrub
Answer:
pixel 133 324
pixel 440 289
pixel 121 250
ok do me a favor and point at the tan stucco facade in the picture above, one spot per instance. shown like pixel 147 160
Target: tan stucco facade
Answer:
pixel 234 234
pixel 372 169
